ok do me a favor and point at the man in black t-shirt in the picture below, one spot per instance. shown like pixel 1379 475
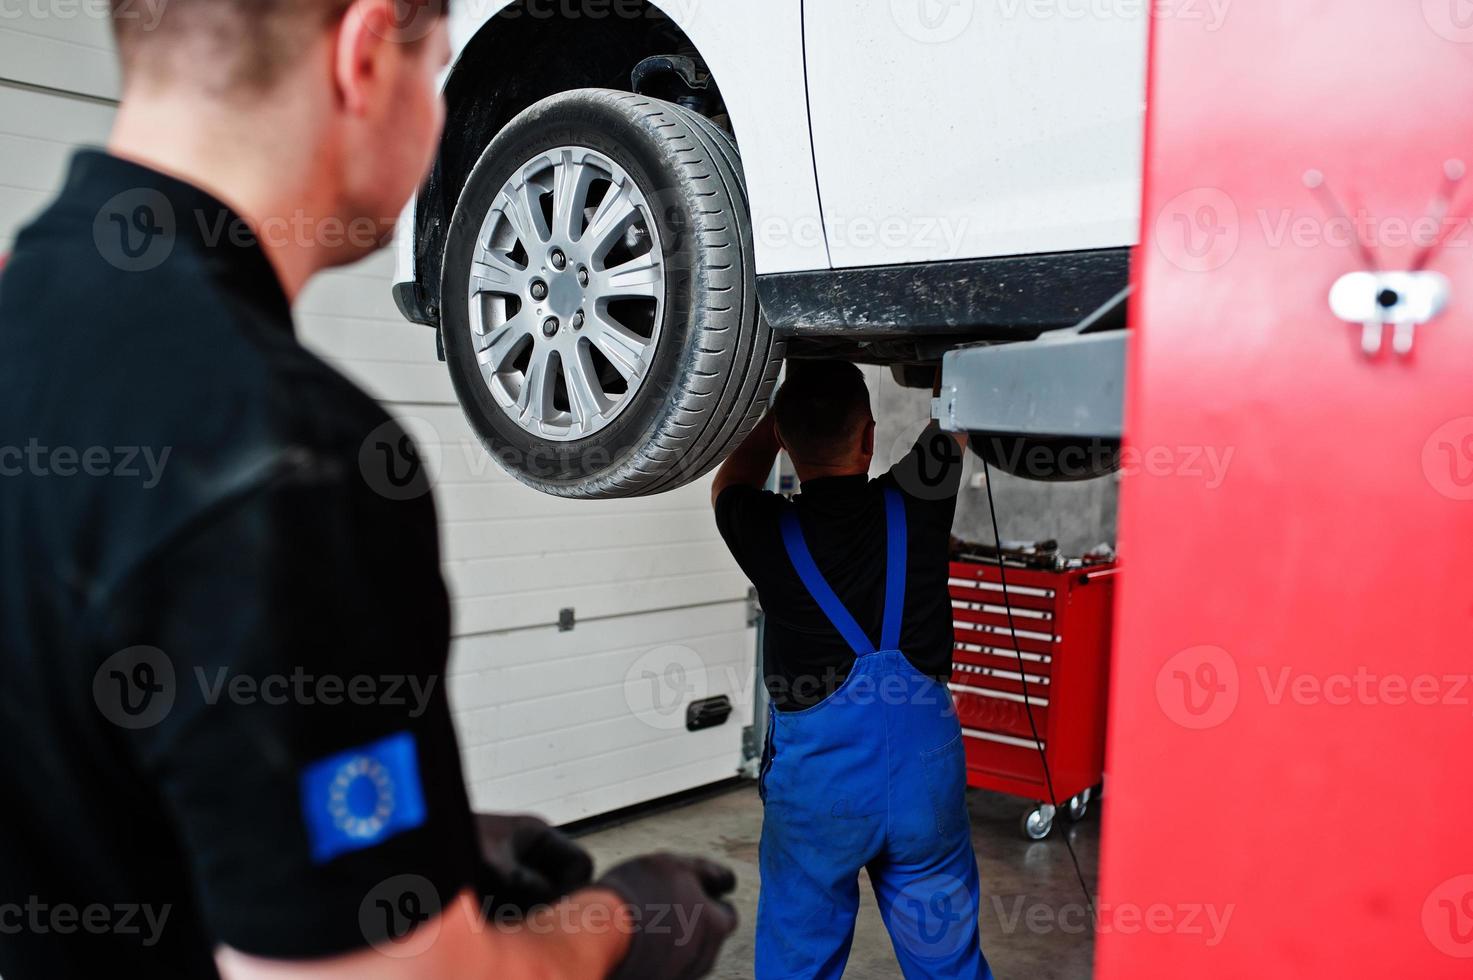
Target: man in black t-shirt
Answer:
pixel 863 767
pixel 224 733
pixel 843 518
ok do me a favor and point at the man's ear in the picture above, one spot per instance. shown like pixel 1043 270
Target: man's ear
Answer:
pixel 364 37
pixel 867 441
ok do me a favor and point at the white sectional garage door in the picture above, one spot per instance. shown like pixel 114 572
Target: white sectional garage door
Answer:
pixel 564 723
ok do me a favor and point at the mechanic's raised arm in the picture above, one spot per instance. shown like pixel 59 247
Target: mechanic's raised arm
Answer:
pixel 960 437
pixel 751 464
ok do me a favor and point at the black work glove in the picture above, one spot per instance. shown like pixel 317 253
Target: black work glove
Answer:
pixel 526 863
pixel 679 918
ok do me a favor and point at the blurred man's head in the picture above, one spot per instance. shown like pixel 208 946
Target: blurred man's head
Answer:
pixel 339 97
pixel 824 420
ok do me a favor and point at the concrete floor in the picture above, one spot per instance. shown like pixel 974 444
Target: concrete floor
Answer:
pixel 1034 922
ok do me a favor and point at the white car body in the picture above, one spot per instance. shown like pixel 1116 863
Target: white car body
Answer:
pixel 891 132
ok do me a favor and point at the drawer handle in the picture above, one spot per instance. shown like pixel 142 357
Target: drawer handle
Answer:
pixel 1002 695
pixel 1021 743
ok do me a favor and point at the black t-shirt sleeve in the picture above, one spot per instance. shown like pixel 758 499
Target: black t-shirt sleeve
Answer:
pixel 308 759
pixel 746 517
pixel 931 475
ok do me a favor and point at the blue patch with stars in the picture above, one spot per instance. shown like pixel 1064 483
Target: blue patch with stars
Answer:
pixel 361 797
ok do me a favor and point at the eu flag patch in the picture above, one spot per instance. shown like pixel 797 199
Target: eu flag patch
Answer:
pixel 362 797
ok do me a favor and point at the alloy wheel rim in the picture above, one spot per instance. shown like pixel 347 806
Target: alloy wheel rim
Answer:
pixel 566 293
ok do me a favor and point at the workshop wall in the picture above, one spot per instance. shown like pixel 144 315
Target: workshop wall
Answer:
pixel 1077 515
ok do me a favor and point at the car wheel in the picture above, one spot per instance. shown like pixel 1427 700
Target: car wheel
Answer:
pixel 599 310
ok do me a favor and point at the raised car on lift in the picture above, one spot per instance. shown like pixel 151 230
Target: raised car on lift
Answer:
pixel 640 207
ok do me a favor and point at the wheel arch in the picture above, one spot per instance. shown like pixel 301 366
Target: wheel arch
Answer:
pixel 525 51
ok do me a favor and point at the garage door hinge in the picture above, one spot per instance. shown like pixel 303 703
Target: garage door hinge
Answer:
pixel 754 607
pixel 566 620
pixel 750 748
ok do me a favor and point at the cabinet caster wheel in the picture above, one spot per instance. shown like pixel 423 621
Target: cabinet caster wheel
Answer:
pixel 1038 822
pixel 1078 806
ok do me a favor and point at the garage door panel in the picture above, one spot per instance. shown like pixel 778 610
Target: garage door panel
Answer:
pixel 348 318
pixel 612 780
pixel 33 163
pixel 707 663
pixel 618 738
pixel 475 691
pixel 379 339
pixel 55 124
pixel 573 803
pixel 18 207
pixel 373 272
pixel 510 610
pixel 536 533
pixel 38 135
pixel 530 537
pixel 578 567
pixel 351 292
pixel 561 722
pixel 625 696
pixel 478 726
pixel 397 381
pixel 497 497
pixel 62 46
pixel 507 649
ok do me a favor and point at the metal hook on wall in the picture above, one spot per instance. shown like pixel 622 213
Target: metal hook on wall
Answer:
pixel 1402 301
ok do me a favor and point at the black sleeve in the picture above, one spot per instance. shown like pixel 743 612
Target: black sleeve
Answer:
pixel 743 515
pixel 308 760
pixel 931 474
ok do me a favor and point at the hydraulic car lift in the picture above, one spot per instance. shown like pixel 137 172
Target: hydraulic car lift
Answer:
pixel 1066 384
pixel 1291 705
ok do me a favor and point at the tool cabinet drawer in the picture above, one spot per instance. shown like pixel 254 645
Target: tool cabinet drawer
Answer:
pixel 1004 763
pixel 999 715
pixel 1062 625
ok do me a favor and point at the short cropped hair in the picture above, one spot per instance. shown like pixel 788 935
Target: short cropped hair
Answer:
pixel 821 410
pixel 238 45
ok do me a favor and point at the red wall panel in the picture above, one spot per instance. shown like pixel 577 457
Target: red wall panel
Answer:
pixel 1290 788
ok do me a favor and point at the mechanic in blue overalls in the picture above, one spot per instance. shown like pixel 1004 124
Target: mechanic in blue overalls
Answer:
pixel 864 767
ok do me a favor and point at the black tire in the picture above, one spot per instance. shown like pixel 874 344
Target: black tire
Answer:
pixel 716 361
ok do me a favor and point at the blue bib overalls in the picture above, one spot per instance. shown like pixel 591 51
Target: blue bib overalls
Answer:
pixel 872 777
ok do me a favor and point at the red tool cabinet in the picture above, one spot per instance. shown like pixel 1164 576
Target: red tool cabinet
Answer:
pixel 1062 620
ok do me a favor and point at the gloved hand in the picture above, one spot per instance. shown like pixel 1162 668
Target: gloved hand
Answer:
pixel 680 920
pixel 526 863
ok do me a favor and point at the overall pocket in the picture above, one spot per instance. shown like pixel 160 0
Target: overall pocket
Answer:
pixel 767 753
pixel 946 782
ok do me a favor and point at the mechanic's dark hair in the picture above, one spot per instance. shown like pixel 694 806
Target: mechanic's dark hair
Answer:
pixel 240 45
pixel 821 410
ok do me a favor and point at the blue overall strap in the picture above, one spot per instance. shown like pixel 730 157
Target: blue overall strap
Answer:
pixel 896 554
pixel 818 586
